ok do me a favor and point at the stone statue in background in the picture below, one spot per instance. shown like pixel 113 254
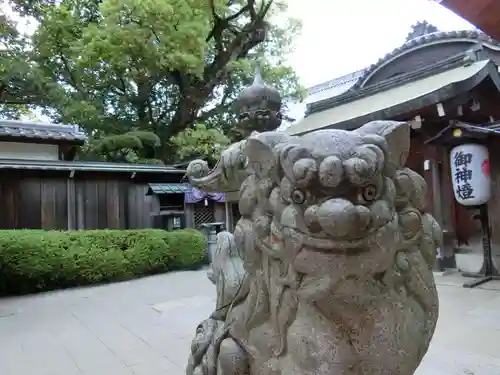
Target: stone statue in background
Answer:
pixel 329 268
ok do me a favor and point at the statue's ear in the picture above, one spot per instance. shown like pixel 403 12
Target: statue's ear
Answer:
pixel 260 153
pixel 397 136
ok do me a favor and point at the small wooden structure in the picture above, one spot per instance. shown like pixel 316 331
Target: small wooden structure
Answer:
pixel 181 205
pixel 42 188
pixel 432 81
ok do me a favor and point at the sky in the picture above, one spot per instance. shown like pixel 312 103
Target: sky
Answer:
pixel 340 37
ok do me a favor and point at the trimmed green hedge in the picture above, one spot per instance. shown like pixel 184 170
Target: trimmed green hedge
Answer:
pixel 36 260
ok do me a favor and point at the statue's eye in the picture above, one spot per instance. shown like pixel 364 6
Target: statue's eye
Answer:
pixel 369 193
pixel 298 196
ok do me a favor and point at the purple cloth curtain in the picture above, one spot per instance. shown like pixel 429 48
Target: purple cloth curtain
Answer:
pixel 194 195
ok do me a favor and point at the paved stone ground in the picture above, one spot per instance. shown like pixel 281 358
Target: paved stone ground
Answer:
pixel 144 327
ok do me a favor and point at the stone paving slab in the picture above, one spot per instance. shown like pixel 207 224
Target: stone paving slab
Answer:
pixel 144 327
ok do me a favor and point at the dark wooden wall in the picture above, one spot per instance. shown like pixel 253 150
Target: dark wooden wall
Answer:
pixel 64 203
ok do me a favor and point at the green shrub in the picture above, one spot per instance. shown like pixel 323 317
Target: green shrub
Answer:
pixel 185 246
pixel 36 260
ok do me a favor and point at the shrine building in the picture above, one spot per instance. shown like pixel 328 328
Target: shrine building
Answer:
pixel 447 84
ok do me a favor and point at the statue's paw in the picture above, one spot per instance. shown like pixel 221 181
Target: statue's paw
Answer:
pixel 232 360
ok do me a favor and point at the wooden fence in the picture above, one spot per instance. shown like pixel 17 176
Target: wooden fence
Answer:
pixel 73 203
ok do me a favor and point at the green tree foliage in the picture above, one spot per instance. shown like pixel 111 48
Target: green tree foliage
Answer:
pixel 18 84
pixel 200 141
pixel 419 29
pixel 157 66
pixel 131 147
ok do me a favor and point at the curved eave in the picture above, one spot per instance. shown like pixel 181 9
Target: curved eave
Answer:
pixel 401 99
pixel 424 41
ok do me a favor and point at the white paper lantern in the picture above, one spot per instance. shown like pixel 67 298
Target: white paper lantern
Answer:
pixel 470 174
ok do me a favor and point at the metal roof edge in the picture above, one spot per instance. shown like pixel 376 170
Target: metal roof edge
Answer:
pixel 90 166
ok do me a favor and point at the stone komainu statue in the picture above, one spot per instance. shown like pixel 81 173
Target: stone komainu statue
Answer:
pixel 329 270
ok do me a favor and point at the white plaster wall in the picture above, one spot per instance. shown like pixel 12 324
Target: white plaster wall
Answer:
pixel 28 151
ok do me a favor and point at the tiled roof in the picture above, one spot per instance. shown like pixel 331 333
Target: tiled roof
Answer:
pixel 35 130
pixel 168 188
pixel 440 36
pixel 325 90
pixel 338 84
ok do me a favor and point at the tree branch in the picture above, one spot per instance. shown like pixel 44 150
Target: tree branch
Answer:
pixel 14 101
pixel 251 9
pixel 71 76
pixel 150 113
pixel 249 36
pixel 238 13
pixel 214 112
pixel 194 91
pixel 223 106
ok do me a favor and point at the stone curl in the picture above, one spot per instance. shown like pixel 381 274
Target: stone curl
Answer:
pixel 367 162
pixel 197 169
pixel 331 172
pixel 411 189
pixel 298 164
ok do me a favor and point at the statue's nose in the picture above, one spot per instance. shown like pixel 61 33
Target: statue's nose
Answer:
pixel 341 218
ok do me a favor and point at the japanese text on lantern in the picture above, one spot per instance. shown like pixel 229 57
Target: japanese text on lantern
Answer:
pixel 463 175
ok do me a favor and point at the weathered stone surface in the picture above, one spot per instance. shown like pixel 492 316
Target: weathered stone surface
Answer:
pixel 329 270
